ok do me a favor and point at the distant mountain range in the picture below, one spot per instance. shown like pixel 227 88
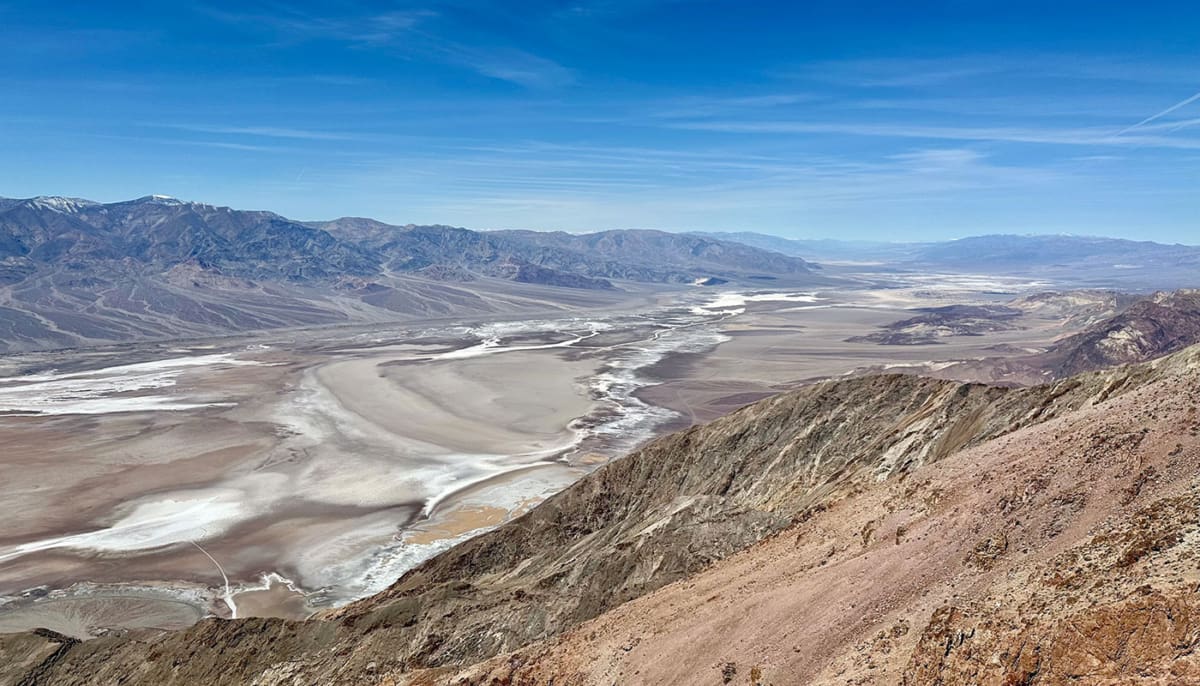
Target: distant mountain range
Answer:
pixel 823 249
pixel 631 255
pixel 77 272
pixel 1079 260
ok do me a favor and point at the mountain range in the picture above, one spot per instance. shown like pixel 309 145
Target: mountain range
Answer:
pixel 1075 260
pixel 76 272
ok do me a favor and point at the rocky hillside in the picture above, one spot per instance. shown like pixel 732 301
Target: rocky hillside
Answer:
pixel 75 272
pixel 160 231
pixel 1060 553
pixel 840 472
pixel 1144 330
pixel 1067 310
pixel 164 232
pixel 1075 309
pixel 1007 253
pixel 1149 328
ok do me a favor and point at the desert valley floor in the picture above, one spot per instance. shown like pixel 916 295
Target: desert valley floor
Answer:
pixel 278 474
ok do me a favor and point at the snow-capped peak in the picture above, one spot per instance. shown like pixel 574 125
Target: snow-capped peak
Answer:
pixel 159 200
pixel 59 204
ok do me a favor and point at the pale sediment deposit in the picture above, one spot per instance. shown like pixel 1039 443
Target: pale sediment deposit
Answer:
pixel 283 481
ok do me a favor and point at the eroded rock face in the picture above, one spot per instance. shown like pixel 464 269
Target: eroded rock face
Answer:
pixel 1147 329
pixel 1120 607
pixel 1149 637
pixel 936 323
pixel 1150 328
pixel 693 498
pixel 841 467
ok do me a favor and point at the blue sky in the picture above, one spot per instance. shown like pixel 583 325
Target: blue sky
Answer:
pixel 875 120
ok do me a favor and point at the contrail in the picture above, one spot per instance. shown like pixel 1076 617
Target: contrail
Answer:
pixel 1182 103
pixel 228 590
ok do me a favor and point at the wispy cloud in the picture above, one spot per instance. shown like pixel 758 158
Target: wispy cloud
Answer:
pixel 1012 105
pixel 939 159
pixel 593 9
pixel 423 33
pixel 216 144
pixel 899 73
pixel 262 131
pixel 506 64
pixel 287 24
pixel 932 72
pixel 579 197
pixel 688 107
pixel 1080 136
pixel 279 80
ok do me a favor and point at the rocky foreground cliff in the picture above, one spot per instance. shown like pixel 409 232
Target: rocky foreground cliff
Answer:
pixel 870 530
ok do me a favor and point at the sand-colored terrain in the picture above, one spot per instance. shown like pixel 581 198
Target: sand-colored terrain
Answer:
pixel 775 346
pixel 512 403
pixel 274 478
pixel 315 470
pixel 294 468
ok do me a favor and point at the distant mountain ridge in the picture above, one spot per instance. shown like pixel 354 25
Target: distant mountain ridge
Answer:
pixel 79 272
pixel 1079 260
pixel 634 255
pixel 157 230
pixel 161 230
pixel 1005 251
pixel 1148 329
pixel 822 249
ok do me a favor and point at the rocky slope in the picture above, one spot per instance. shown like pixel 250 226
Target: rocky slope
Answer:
pixel 163 231
pixel 1067 310
pixel 839 471
pixel 1028 253
pixel 675 256
pixel 1075 309
pixel 1061 553
pixel 1149 328
pixel 1146 329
